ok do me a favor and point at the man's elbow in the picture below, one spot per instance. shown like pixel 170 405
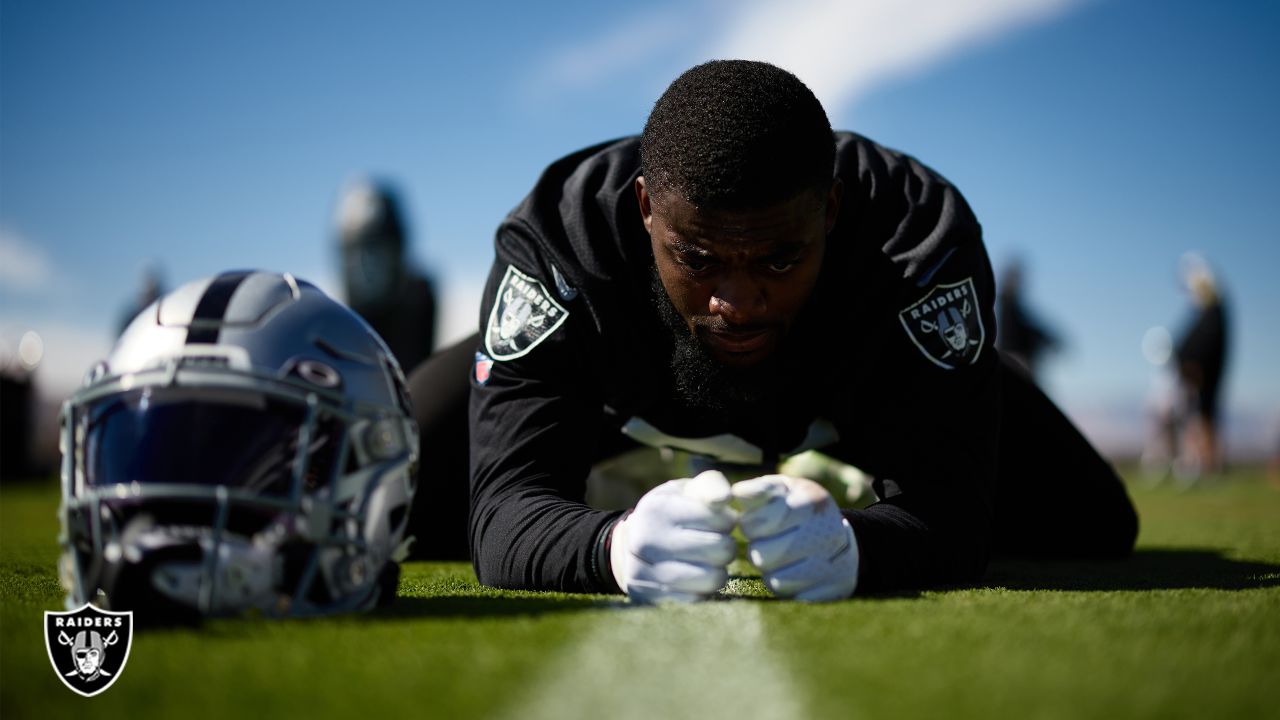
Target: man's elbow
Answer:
pixel 1112 537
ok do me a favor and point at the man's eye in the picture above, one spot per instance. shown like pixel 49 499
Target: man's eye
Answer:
pixel 693 262
pixel 781 266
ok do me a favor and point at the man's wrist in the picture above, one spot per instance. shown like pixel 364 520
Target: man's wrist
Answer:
pixel 601 564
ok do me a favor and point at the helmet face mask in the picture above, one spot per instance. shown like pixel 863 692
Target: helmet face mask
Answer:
pixel 270 470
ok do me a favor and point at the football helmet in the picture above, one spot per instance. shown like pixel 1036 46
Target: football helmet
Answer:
pixel 248 445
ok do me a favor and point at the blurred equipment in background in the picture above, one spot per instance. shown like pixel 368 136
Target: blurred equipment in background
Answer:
pixel 1201 356
pixel 151 289
pixel 379 283
pixel 17 395
pixel 1019 334
pixel 18 406
pixel 248 446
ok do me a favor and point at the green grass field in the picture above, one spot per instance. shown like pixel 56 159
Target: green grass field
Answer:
pixel 1187 628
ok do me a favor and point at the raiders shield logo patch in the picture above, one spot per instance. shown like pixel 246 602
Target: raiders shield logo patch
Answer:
pixel 88 647
pixel 523 315
pixel 946 324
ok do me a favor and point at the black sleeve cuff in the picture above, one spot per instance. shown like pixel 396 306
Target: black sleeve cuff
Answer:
pixel 601 566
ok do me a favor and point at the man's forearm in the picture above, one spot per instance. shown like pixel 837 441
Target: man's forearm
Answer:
pixel 901 551
pixel 538 543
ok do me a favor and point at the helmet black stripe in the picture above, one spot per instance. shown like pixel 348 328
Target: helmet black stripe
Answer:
pixel 205 323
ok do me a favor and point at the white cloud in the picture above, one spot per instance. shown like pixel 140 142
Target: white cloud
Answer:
pixel 631 43
pixel 649 39
pixel 24 266
pixel 843 49
pixel 840 48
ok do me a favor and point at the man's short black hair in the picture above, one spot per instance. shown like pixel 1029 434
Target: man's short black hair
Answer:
pixel 737 133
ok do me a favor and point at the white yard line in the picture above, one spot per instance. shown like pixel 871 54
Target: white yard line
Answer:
pixel 700 661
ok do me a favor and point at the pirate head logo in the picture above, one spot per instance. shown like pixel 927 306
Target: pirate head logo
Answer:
pixel 946 324
pixel 88 647
pixel 89 651
pixel 517 314
pixel 523 314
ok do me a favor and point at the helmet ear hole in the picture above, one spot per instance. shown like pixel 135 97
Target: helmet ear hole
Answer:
pixel 318 373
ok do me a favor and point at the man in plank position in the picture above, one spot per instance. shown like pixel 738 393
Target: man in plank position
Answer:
pixel 743 284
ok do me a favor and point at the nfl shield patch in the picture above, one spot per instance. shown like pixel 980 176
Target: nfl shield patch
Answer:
pixel 484 365
pixel 524 314
pixel 946 324
pixel 88 647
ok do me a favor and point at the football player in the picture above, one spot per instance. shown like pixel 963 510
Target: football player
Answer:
pixel 742 285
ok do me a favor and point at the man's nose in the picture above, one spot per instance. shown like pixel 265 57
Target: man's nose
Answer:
pixel 739 299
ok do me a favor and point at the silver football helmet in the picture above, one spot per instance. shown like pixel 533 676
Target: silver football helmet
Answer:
pixel 247 446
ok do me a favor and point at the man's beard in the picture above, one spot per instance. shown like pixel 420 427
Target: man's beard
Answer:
pixel 701 382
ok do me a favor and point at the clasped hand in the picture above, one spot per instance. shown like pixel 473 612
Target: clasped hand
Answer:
pixel 677 543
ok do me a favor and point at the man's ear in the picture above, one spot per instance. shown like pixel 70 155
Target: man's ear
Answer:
pixel 646 207
pixel 834 196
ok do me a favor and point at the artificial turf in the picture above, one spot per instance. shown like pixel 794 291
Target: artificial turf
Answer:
pixel 1188 627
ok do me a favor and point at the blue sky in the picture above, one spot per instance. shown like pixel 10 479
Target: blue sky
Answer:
pixel 1096 139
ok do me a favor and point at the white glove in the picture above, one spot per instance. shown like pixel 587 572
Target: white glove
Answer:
pixel 804 547
pixel 677 544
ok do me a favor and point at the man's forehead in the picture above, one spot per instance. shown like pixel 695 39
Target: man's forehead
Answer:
pixel 721 243
pixel 782 224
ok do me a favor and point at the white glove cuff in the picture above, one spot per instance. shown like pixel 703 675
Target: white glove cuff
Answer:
pixel 619 556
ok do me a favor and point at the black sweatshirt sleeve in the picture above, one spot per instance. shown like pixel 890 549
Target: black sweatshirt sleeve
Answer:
pixel 533 424
pixel 925 419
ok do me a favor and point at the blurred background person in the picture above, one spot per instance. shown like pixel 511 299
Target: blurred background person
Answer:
pixel 151 288
pixel 1019 333
pixel 377 280
pixel 1165 407
pixel 1201 355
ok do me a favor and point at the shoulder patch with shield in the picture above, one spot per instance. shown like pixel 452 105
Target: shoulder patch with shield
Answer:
pixel 88 647
pixel 524 314
pixel 946 324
